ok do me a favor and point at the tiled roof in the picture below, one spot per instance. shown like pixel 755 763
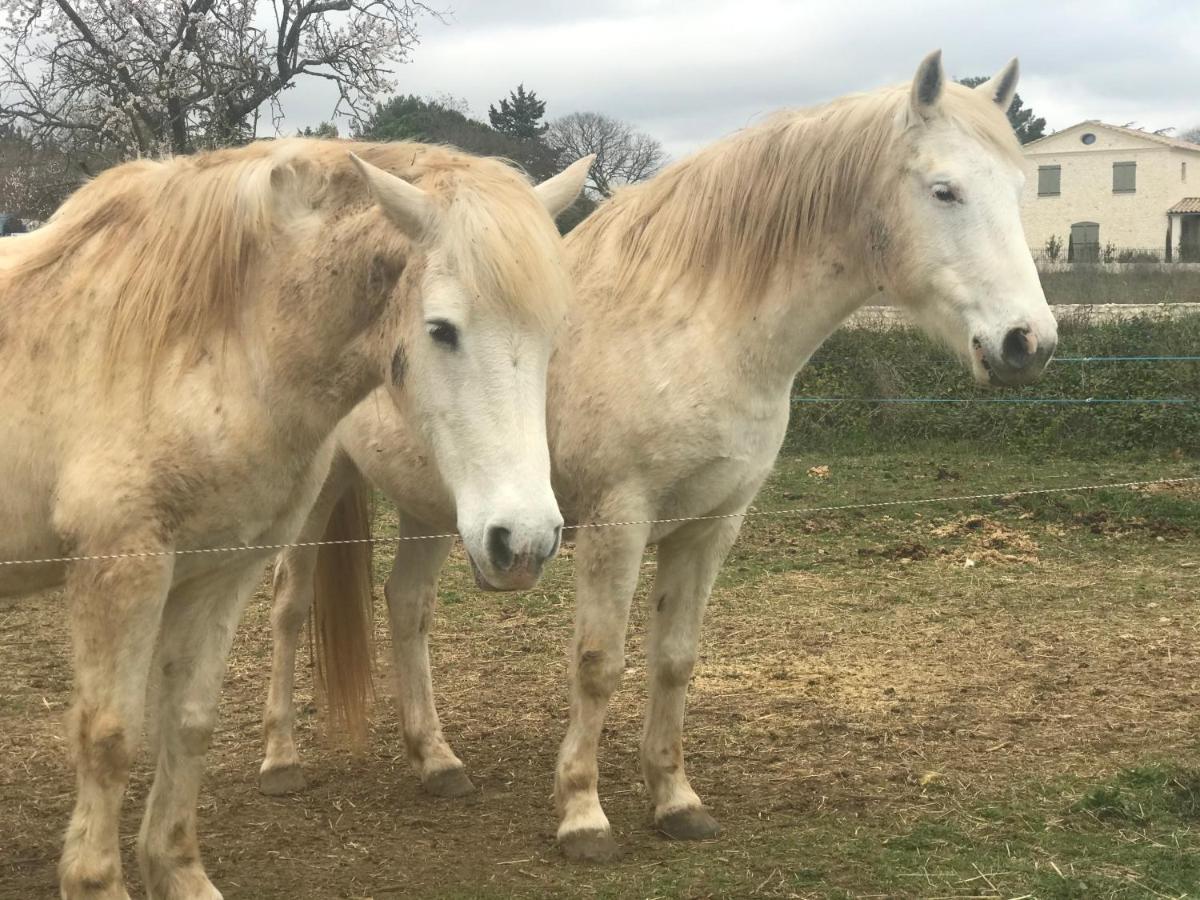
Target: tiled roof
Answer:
pixel 1146 135
pixel 1186 205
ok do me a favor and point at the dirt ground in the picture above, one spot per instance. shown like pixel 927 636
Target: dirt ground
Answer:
pixel 884 703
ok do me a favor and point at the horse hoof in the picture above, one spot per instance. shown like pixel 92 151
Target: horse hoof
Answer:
pixel 589 846
pixel 281 780
pixel 183 883
pixel 692 824
pixel 448 783
pixel 93 889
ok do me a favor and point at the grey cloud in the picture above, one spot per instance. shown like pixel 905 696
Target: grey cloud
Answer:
pixel 689 72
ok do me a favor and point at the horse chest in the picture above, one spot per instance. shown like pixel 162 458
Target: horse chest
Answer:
pixel 721 468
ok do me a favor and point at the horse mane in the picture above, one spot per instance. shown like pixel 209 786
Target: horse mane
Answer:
pixel 735 209
pixel 164 249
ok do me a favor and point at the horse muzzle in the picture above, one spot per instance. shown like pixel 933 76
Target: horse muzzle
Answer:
pixel 510 569
pixel 1020 358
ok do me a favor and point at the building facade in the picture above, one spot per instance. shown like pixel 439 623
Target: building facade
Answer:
pixel 1102 192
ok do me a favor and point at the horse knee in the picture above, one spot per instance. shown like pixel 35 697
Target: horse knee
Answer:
pixel 411 610
pixel 101 743
pixel 598 672
pixel 674 669
pixel 195 730
pixel 286 616
pixel 289 611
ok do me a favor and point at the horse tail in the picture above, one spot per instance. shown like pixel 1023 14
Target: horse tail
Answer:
pixel 343 613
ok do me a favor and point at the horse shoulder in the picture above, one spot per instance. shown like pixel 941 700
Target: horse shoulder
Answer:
pixel 391 452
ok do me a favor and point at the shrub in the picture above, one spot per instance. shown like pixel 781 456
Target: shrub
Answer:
pixel 861 363
pixel 1138 256
pixel 1096 284
pixel 1053 248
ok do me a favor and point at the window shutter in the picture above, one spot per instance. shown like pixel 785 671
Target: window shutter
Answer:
pixel 1124 177
pixel 1049 180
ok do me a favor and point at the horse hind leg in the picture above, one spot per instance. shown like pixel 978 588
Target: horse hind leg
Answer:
pixel 197 631
pixel 281 772
pixel 116 607
pixel 411 592
pixel 688 563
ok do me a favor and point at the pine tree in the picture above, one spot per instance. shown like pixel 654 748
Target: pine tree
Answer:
pixel 1024 123
pixel 520 115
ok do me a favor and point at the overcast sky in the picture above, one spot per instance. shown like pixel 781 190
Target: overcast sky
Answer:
pixel 690 72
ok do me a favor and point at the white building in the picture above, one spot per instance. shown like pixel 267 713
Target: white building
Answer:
pixel 1099 190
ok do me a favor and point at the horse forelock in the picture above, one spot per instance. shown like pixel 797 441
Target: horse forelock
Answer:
pixel 499 239
pixel 729 216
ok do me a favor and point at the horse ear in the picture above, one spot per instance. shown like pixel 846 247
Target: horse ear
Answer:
pixel 561 191
pixel 928 84
pixel 1001 86
pixel 405 204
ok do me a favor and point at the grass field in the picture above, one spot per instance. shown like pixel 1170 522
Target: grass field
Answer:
pixel 996 699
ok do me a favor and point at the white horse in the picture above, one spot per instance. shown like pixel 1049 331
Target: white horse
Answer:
pixel 179 343
pixel 700 294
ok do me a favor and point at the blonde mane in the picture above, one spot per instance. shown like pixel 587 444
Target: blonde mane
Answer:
pixel 737 208
pixel 161 251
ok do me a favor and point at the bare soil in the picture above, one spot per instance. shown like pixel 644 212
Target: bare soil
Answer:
pixel 841 693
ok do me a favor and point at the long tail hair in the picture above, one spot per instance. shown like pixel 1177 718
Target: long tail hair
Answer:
pixel 343 614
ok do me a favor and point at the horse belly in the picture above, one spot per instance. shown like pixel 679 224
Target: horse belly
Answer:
pixel 266 510
pixel 26 529
pixel 27 536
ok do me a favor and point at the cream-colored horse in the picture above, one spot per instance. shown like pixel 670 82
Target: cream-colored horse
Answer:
pixel 700 295
pixel 179 343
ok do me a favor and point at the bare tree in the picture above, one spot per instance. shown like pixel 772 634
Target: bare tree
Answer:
pixel 33 180
pixel 144 76
pixel 623 155
pixel 1191 134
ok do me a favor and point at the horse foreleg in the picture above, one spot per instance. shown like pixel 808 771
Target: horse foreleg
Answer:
pixel 607 563
pixel 280 772
pixel 197 629
pixel 688 562
pixel 411 592
pixel 116 607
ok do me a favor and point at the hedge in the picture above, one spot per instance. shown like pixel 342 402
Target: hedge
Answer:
pixel 902 362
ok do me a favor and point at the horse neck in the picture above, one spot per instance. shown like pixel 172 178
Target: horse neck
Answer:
pixel 775 337
pixel 770 266
pixel 322 330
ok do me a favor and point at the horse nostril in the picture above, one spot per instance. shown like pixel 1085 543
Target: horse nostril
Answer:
pixel 498 547
pixel 557 542
pixel 1019 348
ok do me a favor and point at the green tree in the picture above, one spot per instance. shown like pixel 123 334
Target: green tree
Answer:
pixel 1027 126
pixel 444 121
pixel 441 121
pixel 520 115
pixel 323 130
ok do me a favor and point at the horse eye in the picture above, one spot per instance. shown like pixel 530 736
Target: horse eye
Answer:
pixel 443 333
pixel 945 194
